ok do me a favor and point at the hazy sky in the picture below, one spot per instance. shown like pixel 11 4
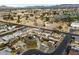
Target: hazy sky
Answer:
pixel 36 2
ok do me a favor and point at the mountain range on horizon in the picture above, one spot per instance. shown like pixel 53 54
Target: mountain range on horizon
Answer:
pixel 41 6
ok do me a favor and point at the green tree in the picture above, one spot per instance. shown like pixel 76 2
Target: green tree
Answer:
pixel 47 19
pixel 60 27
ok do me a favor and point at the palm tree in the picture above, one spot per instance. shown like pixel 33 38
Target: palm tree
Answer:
pixel 18 20
pixel 9 15
pixel 26 17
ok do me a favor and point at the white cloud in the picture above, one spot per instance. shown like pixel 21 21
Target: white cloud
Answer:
pixel 37 2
